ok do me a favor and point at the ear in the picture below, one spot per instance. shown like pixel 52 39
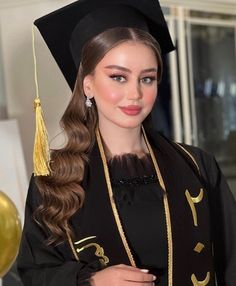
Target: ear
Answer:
pixel 88 86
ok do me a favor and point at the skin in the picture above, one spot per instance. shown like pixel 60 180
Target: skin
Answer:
pixel 127 75
pixel 122 275
pixel 123 78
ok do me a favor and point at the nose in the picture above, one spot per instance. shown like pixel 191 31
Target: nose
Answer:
pixel 135 91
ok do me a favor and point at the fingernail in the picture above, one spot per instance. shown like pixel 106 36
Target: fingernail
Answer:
pixel 154 277
pixel 144 270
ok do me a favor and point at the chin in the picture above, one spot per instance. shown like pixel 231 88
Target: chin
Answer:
pixel 129 124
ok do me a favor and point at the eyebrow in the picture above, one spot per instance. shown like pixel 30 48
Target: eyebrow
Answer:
pixel 128 70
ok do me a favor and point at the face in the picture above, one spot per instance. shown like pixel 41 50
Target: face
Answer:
pixel 124 85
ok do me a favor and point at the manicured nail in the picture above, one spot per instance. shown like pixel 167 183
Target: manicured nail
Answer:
pixel 144 270
pixel 154 278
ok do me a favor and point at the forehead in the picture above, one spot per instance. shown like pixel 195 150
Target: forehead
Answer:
pixel 130 53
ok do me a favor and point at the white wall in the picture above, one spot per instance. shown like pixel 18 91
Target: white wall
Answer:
pixel 13 178
pixel 16 19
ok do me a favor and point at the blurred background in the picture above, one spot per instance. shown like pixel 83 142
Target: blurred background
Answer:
pixel 196 103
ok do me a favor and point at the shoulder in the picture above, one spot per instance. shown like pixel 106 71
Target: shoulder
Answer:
pixel 203 157
pixel 194 156
pixel 207 164
pixel 34 198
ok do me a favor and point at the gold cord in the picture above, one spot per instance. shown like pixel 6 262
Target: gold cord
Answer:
pixel 72 246
pixel 116 214
pixel 35 63
pixel 113 205
pixel 167 211
pixel 190 155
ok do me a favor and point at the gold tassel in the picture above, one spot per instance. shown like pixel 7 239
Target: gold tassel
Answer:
pixel 41 153
pixel 41 147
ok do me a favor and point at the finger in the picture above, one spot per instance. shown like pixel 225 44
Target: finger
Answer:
pixel 133 283
pixel 128 267
pixel 138 276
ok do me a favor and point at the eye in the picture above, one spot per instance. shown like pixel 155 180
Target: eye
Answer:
pixel 148 79
pixel 119 78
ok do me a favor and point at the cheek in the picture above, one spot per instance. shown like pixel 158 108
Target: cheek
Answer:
pixel 108 93
pixel 150 97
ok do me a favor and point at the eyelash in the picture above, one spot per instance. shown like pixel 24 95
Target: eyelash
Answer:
pixel 118 77
pixel 115 77
pixel 151 78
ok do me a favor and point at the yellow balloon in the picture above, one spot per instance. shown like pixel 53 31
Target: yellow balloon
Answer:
pixel 10 233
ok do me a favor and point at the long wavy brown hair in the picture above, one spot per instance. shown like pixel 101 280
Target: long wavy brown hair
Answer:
pixel 62 193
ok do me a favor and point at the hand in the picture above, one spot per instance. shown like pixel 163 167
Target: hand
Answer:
pixel 122 275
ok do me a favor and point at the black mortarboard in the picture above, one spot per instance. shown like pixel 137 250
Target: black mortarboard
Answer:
pixel 66 30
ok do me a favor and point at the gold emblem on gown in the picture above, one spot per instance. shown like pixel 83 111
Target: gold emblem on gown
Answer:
pixel 99 251
pixel 200 283
pixel 199 247
pixel 192 201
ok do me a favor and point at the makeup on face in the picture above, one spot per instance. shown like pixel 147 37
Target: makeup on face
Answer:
pixel 124 84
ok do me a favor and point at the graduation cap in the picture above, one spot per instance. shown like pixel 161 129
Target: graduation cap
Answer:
pixel 65 32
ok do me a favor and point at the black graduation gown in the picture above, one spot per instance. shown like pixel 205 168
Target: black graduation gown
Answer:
pixel 139 199
pixel 39 264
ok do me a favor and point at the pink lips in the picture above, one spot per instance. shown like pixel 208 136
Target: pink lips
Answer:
pixel 131 109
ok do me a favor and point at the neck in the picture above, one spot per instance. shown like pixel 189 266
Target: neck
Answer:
pixel 118 140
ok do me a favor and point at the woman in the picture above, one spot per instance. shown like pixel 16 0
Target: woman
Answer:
pixel 122 204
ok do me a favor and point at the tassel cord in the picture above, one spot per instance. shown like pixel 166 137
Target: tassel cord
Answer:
pixel 41 153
